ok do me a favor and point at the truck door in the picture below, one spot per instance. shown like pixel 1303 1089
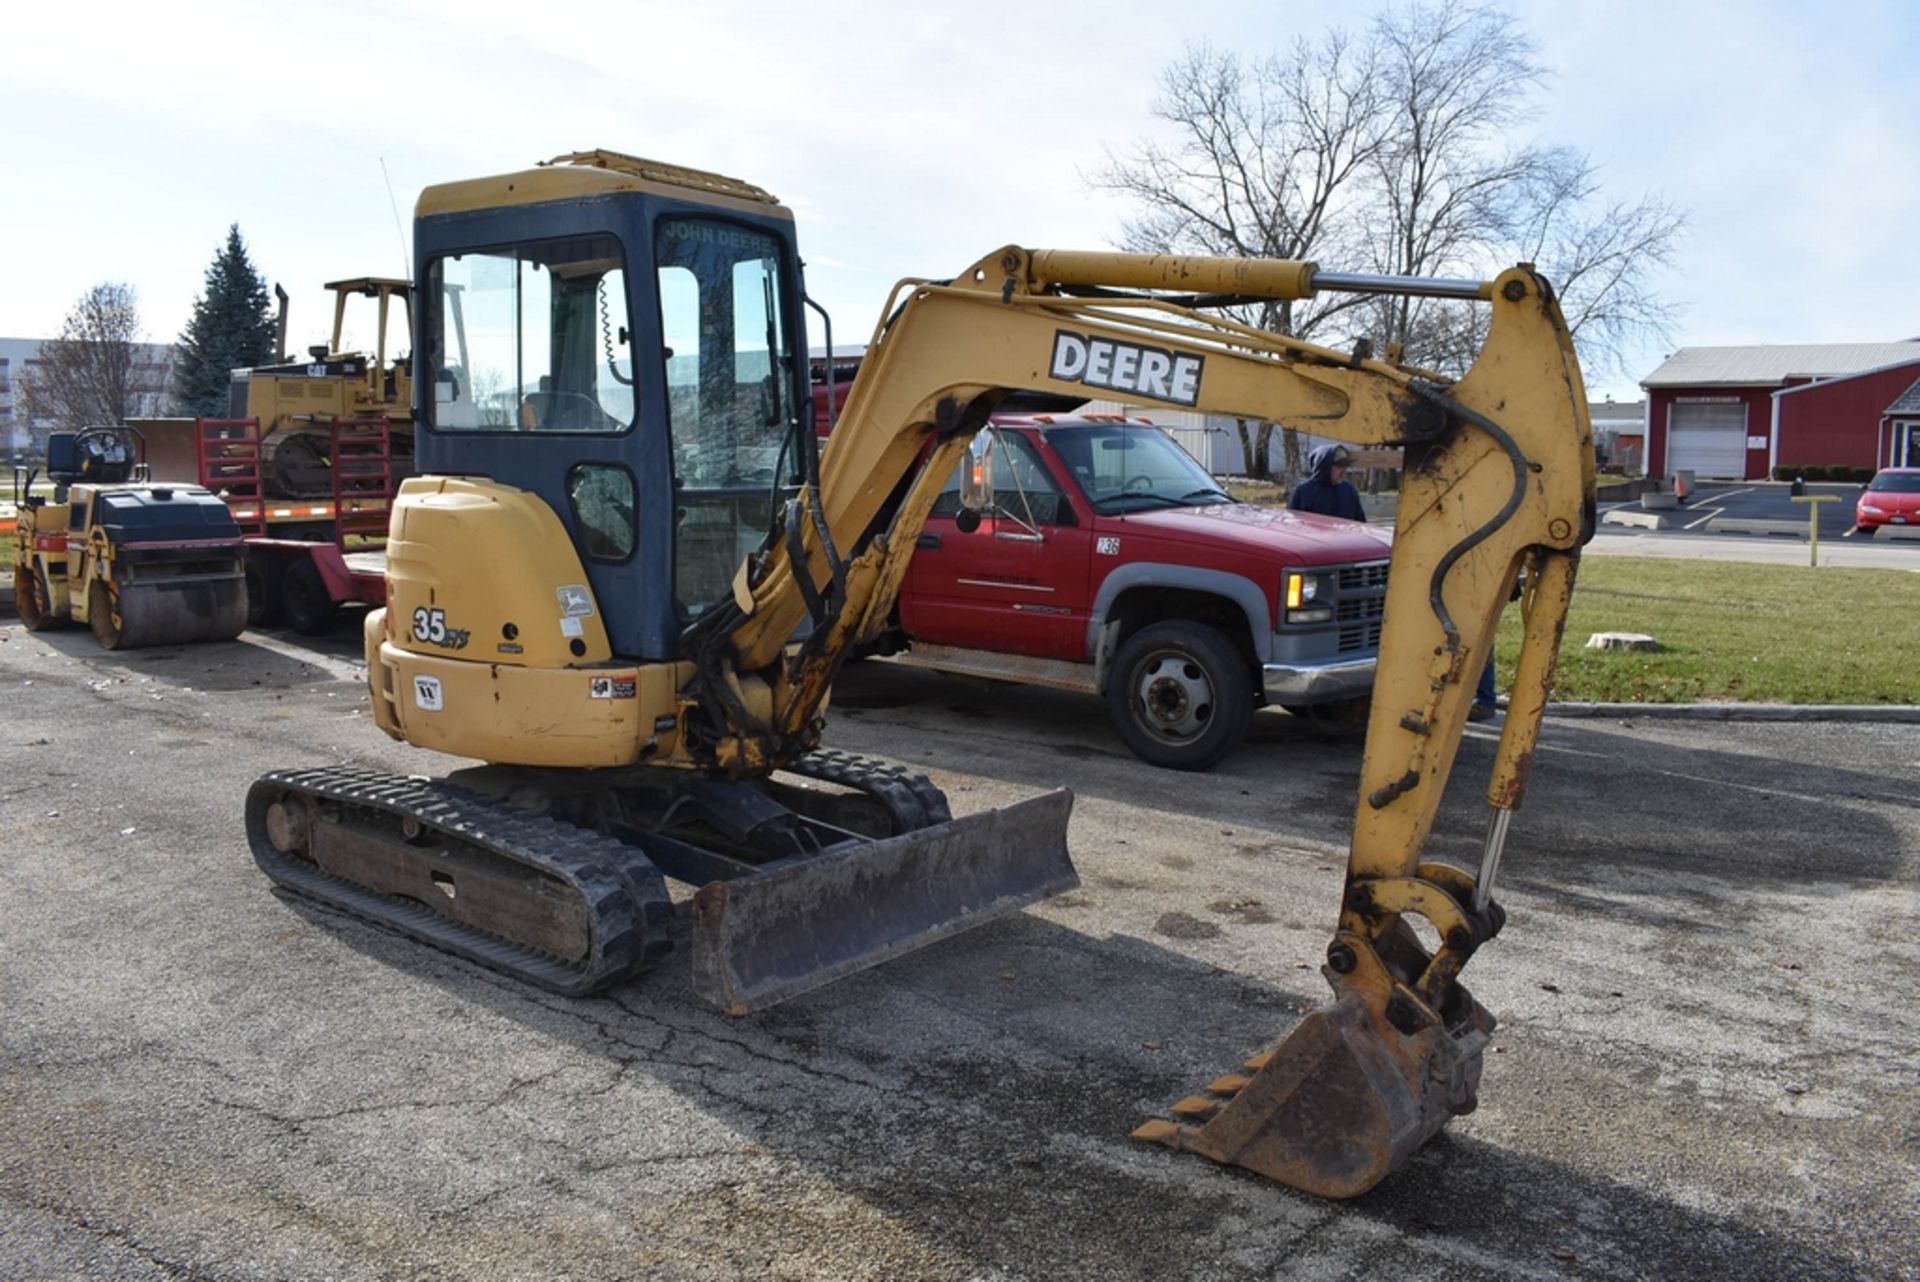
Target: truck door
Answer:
pixel 1018 584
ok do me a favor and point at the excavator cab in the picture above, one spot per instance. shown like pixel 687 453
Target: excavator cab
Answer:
pixel 633 360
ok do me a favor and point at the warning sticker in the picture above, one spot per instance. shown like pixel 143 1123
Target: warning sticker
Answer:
pixel 426 694
pixel 611 688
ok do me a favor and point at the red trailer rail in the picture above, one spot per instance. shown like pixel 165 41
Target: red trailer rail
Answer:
pixel 306 557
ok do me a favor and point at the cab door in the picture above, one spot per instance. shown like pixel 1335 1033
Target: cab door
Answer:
pixel 1018 583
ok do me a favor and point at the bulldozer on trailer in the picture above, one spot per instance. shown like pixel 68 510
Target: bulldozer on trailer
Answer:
pixel 138 562
pixel 628 574
pixel 295 404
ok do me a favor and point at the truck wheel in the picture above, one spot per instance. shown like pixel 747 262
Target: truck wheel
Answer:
pixel 1181 695
pixel 304 597
pixel 264 577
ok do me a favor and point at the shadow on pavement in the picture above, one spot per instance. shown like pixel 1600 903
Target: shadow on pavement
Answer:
pixel 981 1091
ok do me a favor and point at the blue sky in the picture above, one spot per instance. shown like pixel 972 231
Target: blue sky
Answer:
pixel 909 139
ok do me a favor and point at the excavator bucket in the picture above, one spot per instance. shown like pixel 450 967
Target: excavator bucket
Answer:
pixel 1343 1102
pixel 769 936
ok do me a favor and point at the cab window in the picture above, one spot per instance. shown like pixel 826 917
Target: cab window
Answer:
pixel 1023 489
pixel 727 366
pixel 532 339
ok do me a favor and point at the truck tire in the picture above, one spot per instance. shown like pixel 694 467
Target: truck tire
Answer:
pixel 304 597
pixel 1181 695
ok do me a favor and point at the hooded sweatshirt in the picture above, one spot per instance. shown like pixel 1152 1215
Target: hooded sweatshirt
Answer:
pixel 1319 494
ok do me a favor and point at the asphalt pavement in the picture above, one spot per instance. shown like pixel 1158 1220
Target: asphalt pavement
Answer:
pixel 1706 1067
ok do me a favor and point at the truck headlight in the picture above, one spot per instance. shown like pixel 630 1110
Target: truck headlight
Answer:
pixel 1302 588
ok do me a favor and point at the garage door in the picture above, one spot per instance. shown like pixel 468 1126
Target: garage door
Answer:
pixel 1708 440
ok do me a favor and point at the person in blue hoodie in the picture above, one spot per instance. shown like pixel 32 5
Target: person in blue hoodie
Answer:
pixel 1328 492
pixel 1327 489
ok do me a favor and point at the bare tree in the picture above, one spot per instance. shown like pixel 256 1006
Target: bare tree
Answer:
pixel 1262 165
pixel 1395 151
pixel 1456 197
pixel 84 378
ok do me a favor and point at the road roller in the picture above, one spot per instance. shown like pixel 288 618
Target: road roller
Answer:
pixel 140 563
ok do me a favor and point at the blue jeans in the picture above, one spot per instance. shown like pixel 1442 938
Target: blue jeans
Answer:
pixel 1484 695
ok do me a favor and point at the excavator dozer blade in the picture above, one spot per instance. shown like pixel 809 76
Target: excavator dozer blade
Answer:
pixel 1343 1102
pixel 772 935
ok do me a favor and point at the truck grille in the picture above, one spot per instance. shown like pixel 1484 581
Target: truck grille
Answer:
pixel 1360 620
pixel 1361 578
pixel 1360 605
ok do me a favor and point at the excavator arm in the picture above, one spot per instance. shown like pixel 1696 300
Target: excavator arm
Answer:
pixel 1497 491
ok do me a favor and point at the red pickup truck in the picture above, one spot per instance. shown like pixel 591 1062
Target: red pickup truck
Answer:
pixel 1109 561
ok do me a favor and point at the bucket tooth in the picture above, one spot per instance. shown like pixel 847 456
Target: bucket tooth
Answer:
pixel 1345 1100
pixel 1258 1062
pixel 1158 1131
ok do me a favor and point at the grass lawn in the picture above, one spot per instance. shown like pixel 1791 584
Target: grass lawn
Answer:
pixel 1736 632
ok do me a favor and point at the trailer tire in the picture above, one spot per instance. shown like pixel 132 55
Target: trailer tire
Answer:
pixel 1181 695
pixel 264 575
pixel 304 597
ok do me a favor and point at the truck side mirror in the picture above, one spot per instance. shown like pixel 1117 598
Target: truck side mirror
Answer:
pixel 976 482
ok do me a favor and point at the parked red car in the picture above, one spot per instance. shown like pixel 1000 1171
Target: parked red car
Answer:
pixel 1891 498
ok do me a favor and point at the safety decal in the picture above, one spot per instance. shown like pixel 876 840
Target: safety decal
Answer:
pixel 1107 546
pixel 1126 367
pixel 611 688
pixel 570 627
pixel 575 601
pixel 426 694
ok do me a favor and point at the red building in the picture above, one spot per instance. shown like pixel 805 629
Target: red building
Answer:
pixel 1737 412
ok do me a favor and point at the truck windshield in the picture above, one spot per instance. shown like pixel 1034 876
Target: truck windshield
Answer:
pixel 1132 467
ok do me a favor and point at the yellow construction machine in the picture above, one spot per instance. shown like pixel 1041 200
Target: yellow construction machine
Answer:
pixel 627 577
pixel 139 562
pixel 298 402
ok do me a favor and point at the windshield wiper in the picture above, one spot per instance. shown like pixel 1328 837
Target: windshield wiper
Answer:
pixel 1211 489
pixel 1161 499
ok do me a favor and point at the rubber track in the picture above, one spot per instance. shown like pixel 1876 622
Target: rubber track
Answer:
pixel 625 896
pixel 910 797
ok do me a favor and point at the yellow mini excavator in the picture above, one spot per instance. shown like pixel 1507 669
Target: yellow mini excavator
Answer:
pixel 627 576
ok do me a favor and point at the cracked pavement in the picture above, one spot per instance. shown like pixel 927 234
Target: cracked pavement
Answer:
pixel 1705 1066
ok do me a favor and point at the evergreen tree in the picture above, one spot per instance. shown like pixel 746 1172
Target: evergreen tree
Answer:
pixel 232 328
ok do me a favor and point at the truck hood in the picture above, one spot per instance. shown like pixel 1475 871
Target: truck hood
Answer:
pixel 1297 538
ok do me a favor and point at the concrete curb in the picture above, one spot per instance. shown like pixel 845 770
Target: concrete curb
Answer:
pixel 1881 712
pixel 1638 519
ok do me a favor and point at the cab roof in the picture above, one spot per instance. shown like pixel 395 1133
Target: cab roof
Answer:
pixel 582 174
